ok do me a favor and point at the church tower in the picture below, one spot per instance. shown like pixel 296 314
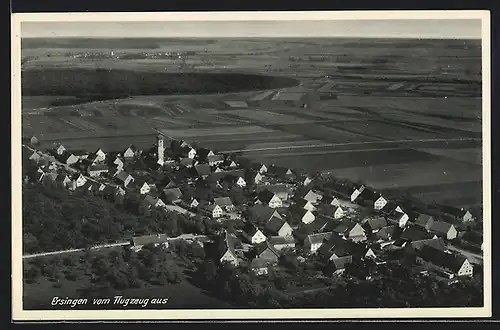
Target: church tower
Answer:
pixel 161 149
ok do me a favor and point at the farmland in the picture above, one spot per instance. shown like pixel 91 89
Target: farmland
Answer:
pixel 390 114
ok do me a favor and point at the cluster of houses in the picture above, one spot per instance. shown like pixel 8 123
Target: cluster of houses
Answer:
pixel 278 202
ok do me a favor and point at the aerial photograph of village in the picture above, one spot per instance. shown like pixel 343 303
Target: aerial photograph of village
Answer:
pixel 250 172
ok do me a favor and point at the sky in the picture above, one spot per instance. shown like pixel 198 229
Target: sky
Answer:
pixel 403 28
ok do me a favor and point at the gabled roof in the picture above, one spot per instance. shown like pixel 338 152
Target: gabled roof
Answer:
pixel 455 211
pixel 186 161
pixel 250 230
pixel 172 193
pixel 440 227
pixel 302 203
pixel 345 227
pixel 202 169
pixel 334 245
pixel 414 234
pixel 265 196
pixel 149 239
pixel 423 220
pixel 278 188
pixel 262 212
pixel 472 237
pixel 202 153
pixel 386 232
pixel 375 223
pixel 277 240
pixel 275 224
pixel 223 201
pixel 298 211
pixel 433 242
pixel 259 248
pixel 122 176
pixel 98 167
pixel 207 207
pixel 317 238
pixel 390 207
pixel 149 200
pixel 215 158
pixel 340 263
pixel 232 178
pixel 318 224
pixel 440 258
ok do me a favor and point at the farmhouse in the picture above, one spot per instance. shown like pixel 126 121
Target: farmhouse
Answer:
pixel 386 233
pixel 311 196
pixel 149 202
pixel 268 198
pixel 119 163
pixel 436 243
pixel 68 158
pixel 59 149
pixel 62 180
pixel 35 157
pixel 281 190
pixel 254 177
pixel 398 218
pixel 266 251
pixel 202 170
pixel 449 264
pixel 215 160
pixel 100 156
pixel 356 193
pixel 124 178
pixel 330 200
pixel 443 229
pixel 260 168
pixel 313 241
pixel 302 214
pixel 415 234
pixel 351 230
pixel 139 242
pixel 34 140
pixel 79 180
pixel 424 221
pixel 282 172
pixel 306 181
pixel 318 225
pixel 306 205
pixel 379 203
pixel 252 234
pixel 97 170
pixel 334 248
pixel 459 214
pixel 224 203
pixel 172 195
pixel 333 211
pixel 192 203
pixel 391 208
pixel 186 162
pixel 212 210
pixel 279 227
pixel 373 225
pixel 259 266
pixel 223 249
pixel 282 242
pixel 235 180
pixel 202 154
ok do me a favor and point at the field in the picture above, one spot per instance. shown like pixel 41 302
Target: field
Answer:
pixel 393 113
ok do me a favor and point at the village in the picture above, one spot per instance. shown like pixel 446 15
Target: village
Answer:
pixel 345 225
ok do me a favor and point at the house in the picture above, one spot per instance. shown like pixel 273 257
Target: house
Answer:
pixel 306 205
pixel 450 264
pixel 262 213
pixel 235 180
pixel 144 188
pixel 373 225
pixel 471 238
pixel 59 149
pixel 278 226
pixel 79 180
pixel 193 203
pixel 398 218
pixel 101 187
pixel 306 181
pixel 459 214
pixel 149 202
pixel 34 140
pixel 259 266
pixel 119 191
pixel 269 198
pixel 97 170
pixel 356 193
pixel 386 233
pixel 252 234
pixel 313 241
pixel 223 249
pixel 137 243
pixel 88 186
pixel 282 242
pixel 336 212
pixel 282 173
pixel 351 230
pixel 436 243
pixel 254 177
pixel 203 154
pixel 62 180
pixel 319 224
pixel 302 214
pixel 339 265
pixel 281 190
pixel 224 203
pixel 311 196
pixel 68 158
pixel 260 168
pixel 212 210
pixel 334 248
pixel 424 221
pixel 188 152
pixel 100 156
pixel 215 160
pixel 415 233
pixel 330 200
pixel 202 170
pixel 266 251
pixel 130 153
pixel 186 162
pixel 35 157
pixel 443 229
pixel 172 195
pixel 379 203
pixel 119 163
pixel 391 208
pixel 124 178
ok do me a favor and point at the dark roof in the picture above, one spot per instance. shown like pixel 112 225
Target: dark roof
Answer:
pixel 415 234
pixel 440 227
pixel 301 203
pixel 215 158
pixel 276 240
pixel 265 196
pixel 446 260
pixel 341 263
pixel 375 223
pixel 258 263
pixel 369 195
pixel 455 211
pixel 275 224
pixel 223 201
pixel 122 176
pixel 472 237
pixel 249 229
pixel 259 248
pixel 345 227
pixel 318 224
pixel 149 239
pixel 318 238
pixel 386 232
pixel 230 178
pixel 202 169
pixel 433 242
pixel 219 175
pixel 297 211
pixel 390 207
pixel 262 212
pixel 172 193
pixel 423 220
pixel 276 188
pixel 334 245
pixel 202 153
pixel 186 161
